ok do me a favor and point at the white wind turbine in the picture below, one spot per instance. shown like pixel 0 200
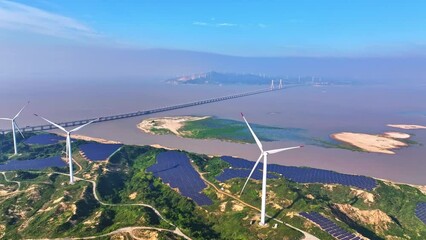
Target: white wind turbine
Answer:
pixel 68 141
pixel 15 127
pixel 263 154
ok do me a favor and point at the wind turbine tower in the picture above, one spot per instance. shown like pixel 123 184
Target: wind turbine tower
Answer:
pixel 68 142
pixel 15 127
pixel 263 154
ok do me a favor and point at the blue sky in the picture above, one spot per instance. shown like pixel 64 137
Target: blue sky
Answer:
pixel 237 27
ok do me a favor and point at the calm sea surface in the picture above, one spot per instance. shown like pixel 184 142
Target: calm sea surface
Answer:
pixel 320 110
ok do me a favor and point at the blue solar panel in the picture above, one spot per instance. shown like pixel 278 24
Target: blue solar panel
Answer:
pixel 239 162
pixel 241 173
pixel 174 168
pixel 421 211
pixel 44 139
pixel 327 225
pixel 308 175
pixel 99 151
pixel 34 164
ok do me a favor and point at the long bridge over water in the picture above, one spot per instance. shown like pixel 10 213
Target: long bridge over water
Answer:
pixel 144 112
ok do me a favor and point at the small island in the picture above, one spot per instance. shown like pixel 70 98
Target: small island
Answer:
pixel 167 125
pixel 407 126
pixel 376 143
pixel 207 127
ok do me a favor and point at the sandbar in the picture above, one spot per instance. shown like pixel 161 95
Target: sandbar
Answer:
pixel 371 142
pixel 172 124
pixel 407 126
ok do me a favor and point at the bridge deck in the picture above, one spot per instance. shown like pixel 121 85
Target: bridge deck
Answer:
pixel 140 113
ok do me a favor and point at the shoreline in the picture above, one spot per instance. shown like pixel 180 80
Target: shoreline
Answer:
pixel 90 139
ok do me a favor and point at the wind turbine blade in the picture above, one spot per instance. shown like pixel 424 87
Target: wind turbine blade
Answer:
pixel 54 124
pixel 19 130
pixel 21 110
pixel 259 144
pixel 282 149
pixel 251 173
pixel 8 119
pixel 82 126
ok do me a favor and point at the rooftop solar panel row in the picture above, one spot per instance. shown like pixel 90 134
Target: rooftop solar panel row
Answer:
pixel 328 226
pixel 174 168
pixel 308 175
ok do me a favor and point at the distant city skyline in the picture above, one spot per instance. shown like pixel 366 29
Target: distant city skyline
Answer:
pixel 242 28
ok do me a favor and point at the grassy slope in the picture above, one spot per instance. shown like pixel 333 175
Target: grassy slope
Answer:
pixel 397 201
pixel 126 175
pixel 69 210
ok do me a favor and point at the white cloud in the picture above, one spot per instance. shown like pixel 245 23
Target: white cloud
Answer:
pixel 226 25
pixel 261 25
pixel 200 23
pixel 16 16
pixel 213 24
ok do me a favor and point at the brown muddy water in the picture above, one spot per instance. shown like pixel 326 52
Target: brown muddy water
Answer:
pixel 320 110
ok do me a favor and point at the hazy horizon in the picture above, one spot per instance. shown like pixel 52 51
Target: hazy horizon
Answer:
pixel 357 40
pixel 85 63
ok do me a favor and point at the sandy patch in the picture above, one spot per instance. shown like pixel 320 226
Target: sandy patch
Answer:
pixel 368 197
pixel 397 135
pixel 133 195
pixel 407 126
pixel 145 234
pixel 329 187
pixel 161 146
pixel 2 230
pixel 422 189
pixel 222 206
pixel 58 200
pixel 220 196
pixel 237 207
pixel 74 209
pixel 310 196
pixel 87 138
pixel 93 221
pixel 370 142
pixel 376 217
pixel 172 124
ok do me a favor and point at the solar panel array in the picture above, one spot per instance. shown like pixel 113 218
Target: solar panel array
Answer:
pixel 174 168
pixel 239 162
pixel 33 164
pixel 242 173
pixel 99 151
pixel 44 139
pixel 421 211
pixel 330 227
pixel 307 175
